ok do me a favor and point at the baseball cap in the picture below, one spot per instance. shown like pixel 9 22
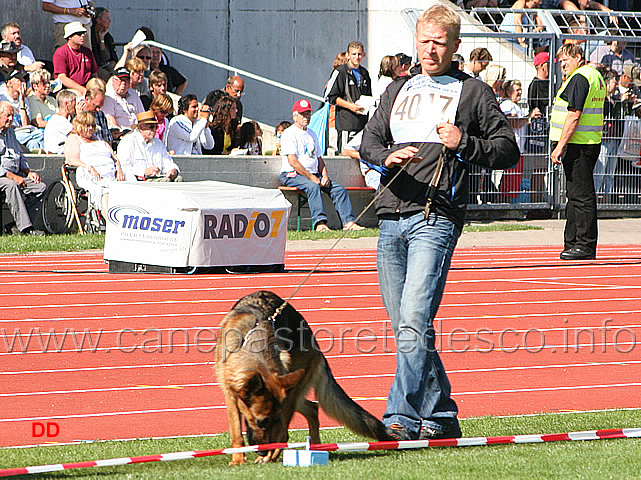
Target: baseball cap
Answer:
pixel 74 27
pixel 9 47
pixel 122 72
pixel 17 74
pixel 302 106
pixel 403 59
pixel 541 58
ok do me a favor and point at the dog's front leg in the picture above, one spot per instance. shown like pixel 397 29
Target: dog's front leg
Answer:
pixel 235 429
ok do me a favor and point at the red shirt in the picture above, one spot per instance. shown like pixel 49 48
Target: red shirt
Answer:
pixel 77 65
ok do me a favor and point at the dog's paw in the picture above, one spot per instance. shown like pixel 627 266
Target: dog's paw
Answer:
pixel 237 459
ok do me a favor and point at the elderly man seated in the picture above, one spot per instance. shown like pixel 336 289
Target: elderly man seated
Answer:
pixel 23 191
pixel 122 102
pixel 144 155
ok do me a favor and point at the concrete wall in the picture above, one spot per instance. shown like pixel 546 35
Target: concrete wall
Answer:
pixel 253 171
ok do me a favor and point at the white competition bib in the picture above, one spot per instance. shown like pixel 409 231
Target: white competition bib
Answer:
pixel 421 104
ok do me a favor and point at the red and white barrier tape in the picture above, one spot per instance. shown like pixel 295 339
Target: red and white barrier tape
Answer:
pixel 338 447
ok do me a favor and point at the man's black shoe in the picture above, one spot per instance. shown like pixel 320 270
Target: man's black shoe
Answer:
pixel 577 253
pixel 428 433
pixel 397 432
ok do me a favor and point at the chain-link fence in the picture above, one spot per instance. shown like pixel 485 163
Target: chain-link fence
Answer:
pixel 502 46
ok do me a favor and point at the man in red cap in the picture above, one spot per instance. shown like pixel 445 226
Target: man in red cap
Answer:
pixel 303 167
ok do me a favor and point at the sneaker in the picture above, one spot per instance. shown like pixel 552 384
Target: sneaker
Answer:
pixel 397 432
pixel 33 232
pixel 429 433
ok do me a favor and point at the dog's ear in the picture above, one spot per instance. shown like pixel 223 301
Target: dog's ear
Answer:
pixel 290 380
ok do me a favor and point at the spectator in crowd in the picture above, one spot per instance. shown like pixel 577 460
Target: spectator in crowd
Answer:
pixel 577 110
pixel 9 60
pixel 59 125
pixel 510 183
pixel 371 173
pixel 121 101
pixel 280 128
pixel 157 86
pixel 303 167
pixel 614 56
pixel 22 189
pixel 495 78
pixel 162 108
pixel 629 82
pixel 41 104
pixel 93 102
pixel 138 82
pixel 73 63
pixel 144 155
pixel 97 164
pixel 143 52
pixel 176 83
pixel 222 118
pixel 11 33
pixel 613 114
pixel 405 62
pixel 575 5
pixel 65 12
pixel 389 70
pixel 332 133
pixel 537 160
pixel 480 58
pixel 187 132
pixel 352 82
pixel 519 23
pixel 480 3
pixel 460 61
pixel 250 141
pixel 15 94
pixel 102 43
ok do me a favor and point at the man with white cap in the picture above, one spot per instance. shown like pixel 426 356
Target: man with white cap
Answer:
pixel 121 101
pixel 303 167
pixel 68 11
pixel 73 63
pixel 144 155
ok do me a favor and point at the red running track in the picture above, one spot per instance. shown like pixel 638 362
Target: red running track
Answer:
pixel 106 356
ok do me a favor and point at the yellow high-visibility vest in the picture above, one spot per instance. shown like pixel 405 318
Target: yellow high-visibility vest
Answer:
pixel 590 128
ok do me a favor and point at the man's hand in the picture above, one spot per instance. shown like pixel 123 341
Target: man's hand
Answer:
pixel 152 171
pixel 171 174
pixel 18 179
pixel 35 178
pixel 556 154
pixel 324 181
pixel 449 134
pixel 401 157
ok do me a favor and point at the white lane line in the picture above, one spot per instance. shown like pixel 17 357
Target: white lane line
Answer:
pixel 109 389
pixel 608 300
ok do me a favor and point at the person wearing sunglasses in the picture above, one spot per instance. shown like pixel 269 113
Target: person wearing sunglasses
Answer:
pixel 144 155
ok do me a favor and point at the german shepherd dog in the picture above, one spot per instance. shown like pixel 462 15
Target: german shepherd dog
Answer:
pixel 266 368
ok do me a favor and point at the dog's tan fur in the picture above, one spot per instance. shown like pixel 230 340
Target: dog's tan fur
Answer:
pixel 265 376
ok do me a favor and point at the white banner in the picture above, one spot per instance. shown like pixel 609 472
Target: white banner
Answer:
pixel 196 224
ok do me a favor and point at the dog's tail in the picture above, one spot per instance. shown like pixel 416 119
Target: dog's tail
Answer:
pixel 338 405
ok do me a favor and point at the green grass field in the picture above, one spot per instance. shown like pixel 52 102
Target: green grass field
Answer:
pixel 76 242
pixel 602 459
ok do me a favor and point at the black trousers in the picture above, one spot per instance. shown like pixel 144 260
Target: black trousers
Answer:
pixel 581 225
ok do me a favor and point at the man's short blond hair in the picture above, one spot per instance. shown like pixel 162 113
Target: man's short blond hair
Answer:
pixel 571 50
pixel 444 17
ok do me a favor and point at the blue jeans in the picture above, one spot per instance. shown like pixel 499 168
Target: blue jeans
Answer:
pixel 313 191
pixel 413 260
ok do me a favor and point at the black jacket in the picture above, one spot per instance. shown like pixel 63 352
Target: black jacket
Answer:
pixel 347 88
pixel 488 140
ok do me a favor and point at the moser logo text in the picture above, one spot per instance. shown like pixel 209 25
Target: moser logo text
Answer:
pixel 238 225
pixel 131 217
